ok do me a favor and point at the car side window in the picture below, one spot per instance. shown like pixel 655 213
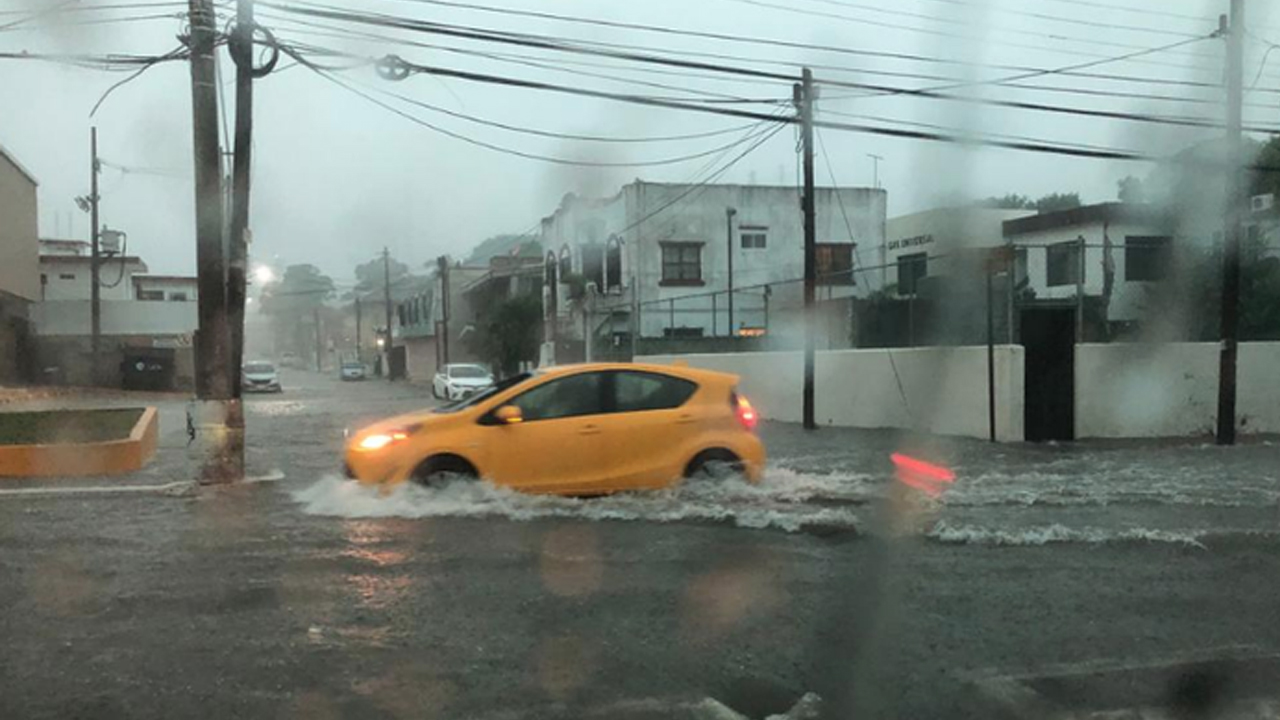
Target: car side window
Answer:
pixel 572 396
pixel 638 392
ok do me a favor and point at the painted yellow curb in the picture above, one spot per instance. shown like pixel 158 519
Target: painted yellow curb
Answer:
pixel 114 457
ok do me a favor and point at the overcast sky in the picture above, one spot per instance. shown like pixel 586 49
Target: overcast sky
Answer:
pixel 338 177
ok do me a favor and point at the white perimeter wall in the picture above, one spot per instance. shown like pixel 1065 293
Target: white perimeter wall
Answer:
pixel 119 317
pixel 1171 390
pixel 945 388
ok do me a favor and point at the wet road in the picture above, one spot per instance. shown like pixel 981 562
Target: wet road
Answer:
pixel 304 598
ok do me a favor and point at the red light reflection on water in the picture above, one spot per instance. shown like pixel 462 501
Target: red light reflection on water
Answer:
pixel 926 477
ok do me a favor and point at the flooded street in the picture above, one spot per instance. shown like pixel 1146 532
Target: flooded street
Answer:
pixel 305 596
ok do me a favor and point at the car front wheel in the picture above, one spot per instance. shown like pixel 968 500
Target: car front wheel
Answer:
pixel 442 470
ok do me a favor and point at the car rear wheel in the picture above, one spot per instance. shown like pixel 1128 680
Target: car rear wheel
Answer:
pixel 717 464
pixel 442 470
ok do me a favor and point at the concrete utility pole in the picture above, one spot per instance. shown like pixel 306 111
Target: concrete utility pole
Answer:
pixel 443 340
pixel 1236 197
pixel 95 262
pixel 728 223
pixel 212 340
pixel 242 54
pixel 319 351
pixel 804 102
pixel 386 292
pixel 359 347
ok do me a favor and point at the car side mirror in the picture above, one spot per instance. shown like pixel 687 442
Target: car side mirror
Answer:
pixel 509 415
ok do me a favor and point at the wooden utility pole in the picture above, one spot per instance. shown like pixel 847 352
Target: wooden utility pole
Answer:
pixel 95 262
pixel 804 101
pixel 212 339
pixel 1236 197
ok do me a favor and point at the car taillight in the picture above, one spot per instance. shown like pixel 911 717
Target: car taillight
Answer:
pixel 746 414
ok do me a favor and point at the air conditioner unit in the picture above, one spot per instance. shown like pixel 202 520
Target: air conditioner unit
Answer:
pixel 1262 203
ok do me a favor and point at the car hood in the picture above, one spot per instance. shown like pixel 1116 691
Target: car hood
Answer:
pixel 419 420
pixel 260 377
pixel 471 382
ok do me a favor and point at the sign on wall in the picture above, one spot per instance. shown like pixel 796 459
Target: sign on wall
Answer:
pixel 911 242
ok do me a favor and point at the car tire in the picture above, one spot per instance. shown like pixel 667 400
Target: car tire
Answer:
pixel 715 464
pixel 435 391
pixel 443 469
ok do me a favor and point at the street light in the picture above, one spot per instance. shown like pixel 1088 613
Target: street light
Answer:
pixel 264 274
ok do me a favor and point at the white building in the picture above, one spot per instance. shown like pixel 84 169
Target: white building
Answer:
pixel 658 256
pixel 66 268
pixel 928 243
pixel 1127 250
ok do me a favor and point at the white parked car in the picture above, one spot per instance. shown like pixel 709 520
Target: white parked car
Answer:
pixel 352 370
pixel 458 382
pixel 260 377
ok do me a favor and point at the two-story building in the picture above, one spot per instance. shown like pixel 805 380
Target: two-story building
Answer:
pixel 689 262
pixel 140 314
pixel 19 250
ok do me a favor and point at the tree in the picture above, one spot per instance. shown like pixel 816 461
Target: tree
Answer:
pixel 527 245
pixel 1012 201
pixel 1131 190
pixel 509 333
pixel 1057 202
pixel 291 303
pixel 371 276
pixel 1049 203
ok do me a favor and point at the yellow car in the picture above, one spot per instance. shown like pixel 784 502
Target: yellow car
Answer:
pixel 574 430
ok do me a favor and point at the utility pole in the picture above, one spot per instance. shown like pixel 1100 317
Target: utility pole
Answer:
pixel 359 347
pixel 386 293
pixel 443 340
pixel 319 351
pixel 242 53
pixel 728 222
pixel 804 101
pixel 212 339
pixel 95 262
pixel 1234 216
pixel 1083 248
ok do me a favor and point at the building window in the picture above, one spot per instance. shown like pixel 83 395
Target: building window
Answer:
pixel 835 263
pixel 66 276
pixel 178 297
pixel 912 268
pixel 1062 263
pixel 753 237
pixel 593 265
pixel 1147 259
pixel 613 264
pixel 150 294
pixel 681 263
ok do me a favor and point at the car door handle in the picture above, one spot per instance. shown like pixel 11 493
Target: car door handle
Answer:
pixel 685 418
pixel 589 430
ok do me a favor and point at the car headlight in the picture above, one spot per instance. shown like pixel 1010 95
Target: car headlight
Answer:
pixel 379 441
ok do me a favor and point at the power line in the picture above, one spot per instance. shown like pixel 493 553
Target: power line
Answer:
pixel 506 150
pixel 990 7
pixel 737 38
pixel 629 52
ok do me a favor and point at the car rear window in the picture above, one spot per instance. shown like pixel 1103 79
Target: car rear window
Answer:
pixel 638 392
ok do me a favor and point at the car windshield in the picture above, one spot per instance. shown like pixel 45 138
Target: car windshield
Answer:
pixel 480 397
pixel 640 359
pixel 468 372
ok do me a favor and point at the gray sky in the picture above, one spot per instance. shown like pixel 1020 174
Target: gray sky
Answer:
pixel 337 178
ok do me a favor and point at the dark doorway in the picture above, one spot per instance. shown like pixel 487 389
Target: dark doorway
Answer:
pixel 398 361
pixel 1048 334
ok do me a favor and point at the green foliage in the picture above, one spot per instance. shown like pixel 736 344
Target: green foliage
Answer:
pixel 503 245
pixel 371 276
pixel 1259 294
pixel 1131 190
pixel 300 290
pixel 1053 202
pixel 508 333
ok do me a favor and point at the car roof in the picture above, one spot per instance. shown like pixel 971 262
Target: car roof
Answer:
pixel 681 371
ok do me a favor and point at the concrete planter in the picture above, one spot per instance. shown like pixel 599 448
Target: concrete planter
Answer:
pixel 76 443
